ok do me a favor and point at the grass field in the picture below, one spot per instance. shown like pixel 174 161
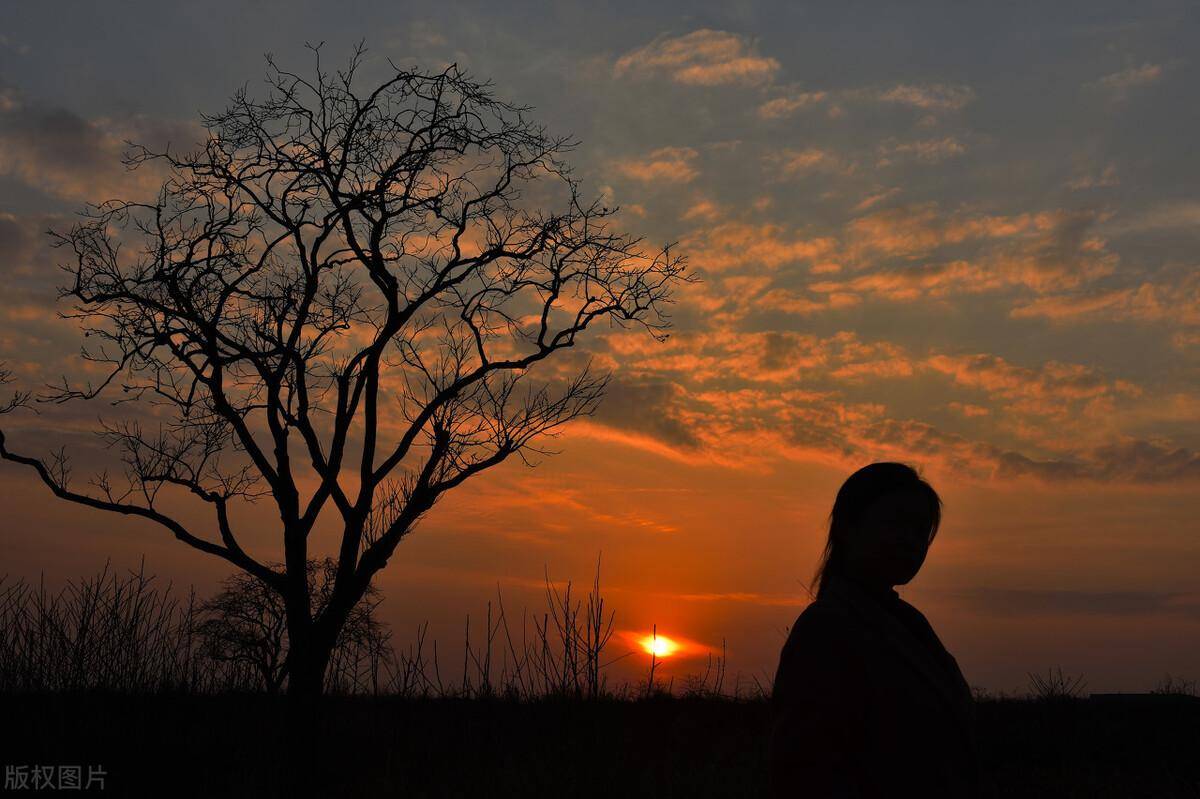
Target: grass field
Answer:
pixel 237 745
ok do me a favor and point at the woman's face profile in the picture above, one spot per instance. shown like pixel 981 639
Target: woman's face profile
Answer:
pixel 890 540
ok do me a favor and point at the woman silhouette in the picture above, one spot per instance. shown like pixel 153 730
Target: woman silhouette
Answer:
pixel 867 701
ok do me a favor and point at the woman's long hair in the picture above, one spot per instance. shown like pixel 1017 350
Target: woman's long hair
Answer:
pixel 860 490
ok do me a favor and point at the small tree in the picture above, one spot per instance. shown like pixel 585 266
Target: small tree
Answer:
pixel 341 302
pixel 245 623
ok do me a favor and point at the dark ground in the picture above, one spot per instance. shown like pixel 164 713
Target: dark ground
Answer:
pixel 231 746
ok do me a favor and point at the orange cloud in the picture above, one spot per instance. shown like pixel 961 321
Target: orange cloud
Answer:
pixel 934 97
pixel 934 280
pixel 926 151
pixel 1150 302
pixel 747 399
pixel 1048 390
pixel 641 441
pixel 871 200
pixel 731 245
pixel 1185 339
pixel 919 229
pixel 786 106
pixel 664 165
pixel 930 97
pixel 706 210
pixel 1043 252
pixel 792 302
pixel 790 163
pixel 967 409
pixel 701 58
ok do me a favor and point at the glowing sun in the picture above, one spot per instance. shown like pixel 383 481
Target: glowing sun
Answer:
pixel 659 646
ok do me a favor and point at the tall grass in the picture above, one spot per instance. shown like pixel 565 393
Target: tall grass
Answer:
pixel 1056 686
pixel 130 633
pixel 120 632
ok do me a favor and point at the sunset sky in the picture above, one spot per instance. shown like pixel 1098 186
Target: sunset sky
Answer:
pixel 967 238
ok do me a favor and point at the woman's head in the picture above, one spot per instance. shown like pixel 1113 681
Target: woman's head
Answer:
pixel 883 521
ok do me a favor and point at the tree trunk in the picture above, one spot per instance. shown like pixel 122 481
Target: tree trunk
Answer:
pixel 302 715
pixel 306 668
pixel 306 655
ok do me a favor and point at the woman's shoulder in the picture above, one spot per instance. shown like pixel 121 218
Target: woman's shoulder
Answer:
pixel 917 622
pixel 920 625
pixel 821 613
pixel 821 652
pixel 820 625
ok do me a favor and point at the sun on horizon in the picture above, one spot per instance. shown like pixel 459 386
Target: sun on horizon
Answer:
pixel 659 645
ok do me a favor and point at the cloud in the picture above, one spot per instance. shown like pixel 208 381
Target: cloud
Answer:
pixel 701 58
pixel 731 245
pixel 929 97
pixel 926 446
pixel 1103 179
pixel 36 341
pixel 910 253
pixel 909 283
pixel 664 165
pixel 16 245
pixel 549 502
pixel 959 252
pixel 1121 83
pixel 794 302
pixel 925 151
pixel 750 399
pixel 1062 252
pixel 791 163
pixel 968 410
pixel 1184 215
pixel 874 199
pixel 766 357
pixel 609 434
pixel 1185 339
pixel 1131 461
pixel 962 252
pixel 649 406
pixel 790 104
pixel 1175 303
pixel 1048 388
pixel 704 209
pixel 721 299
pixel 58 152
pixel 1142 461
pixel 920 229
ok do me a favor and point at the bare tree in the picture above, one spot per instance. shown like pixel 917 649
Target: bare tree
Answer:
pixel 342 301
pixel 246 623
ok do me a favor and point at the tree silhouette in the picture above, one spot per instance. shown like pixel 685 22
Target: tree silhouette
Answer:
pixel 340 301
pixel 246 623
